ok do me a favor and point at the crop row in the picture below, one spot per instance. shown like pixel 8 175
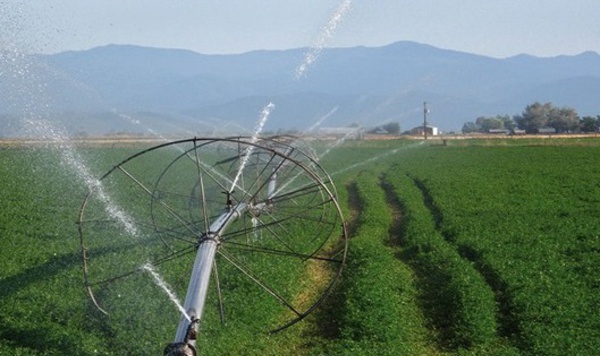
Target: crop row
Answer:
pixel 459 302
pixel 526 218
pixel 503 242
pixel 376 311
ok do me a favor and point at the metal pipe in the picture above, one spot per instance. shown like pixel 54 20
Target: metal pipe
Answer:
pixel 199 280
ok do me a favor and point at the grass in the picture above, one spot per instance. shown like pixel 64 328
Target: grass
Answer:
pixel 479 247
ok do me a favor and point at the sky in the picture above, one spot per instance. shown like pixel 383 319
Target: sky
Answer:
pixel 498 29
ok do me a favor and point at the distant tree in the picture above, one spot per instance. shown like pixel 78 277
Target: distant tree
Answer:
pixel 508 122
pixel 469 127
pixel 485 124
pixel 564 119
pixel 590 124
pixel 534 117
pixel 393 128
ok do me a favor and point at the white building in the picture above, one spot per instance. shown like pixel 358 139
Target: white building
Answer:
pixel 431 131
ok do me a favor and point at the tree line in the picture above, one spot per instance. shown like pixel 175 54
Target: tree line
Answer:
pixel 534 118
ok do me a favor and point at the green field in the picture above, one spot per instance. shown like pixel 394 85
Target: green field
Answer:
pixel 487 247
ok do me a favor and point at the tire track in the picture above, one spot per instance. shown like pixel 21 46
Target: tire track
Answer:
pixel 326 318
pixel 432 309
pixel 429 332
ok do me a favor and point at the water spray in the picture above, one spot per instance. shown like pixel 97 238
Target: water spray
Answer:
pixel 326 34
pixel 165 286
pixel 321 120
pixel 261 123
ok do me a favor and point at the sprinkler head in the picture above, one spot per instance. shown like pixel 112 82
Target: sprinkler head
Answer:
pixel 229 201
pixel 184 348
pixel 180 349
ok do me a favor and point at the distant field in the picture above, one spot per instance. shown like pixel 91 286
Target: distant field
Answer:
pixel 464 247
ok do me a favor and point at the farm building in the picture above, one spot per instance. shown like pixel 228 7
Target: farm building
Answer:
pixel 547 130
pixel 431 130
pixel 498 131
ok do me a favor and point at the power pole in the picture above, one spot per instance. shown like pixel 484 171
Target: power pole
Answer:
pixel 425 112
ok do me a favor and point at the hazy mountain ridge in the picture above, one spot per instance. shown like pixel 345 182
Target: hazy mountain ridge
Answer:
pixel 365 85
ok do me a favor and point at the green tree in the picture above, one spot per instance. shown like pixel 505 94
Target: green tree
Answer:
pixel 392 128
pixel 469 127
pixel 486 124
pixel 564 119
pixel 508 122
pixel 534 117
pixel 590 123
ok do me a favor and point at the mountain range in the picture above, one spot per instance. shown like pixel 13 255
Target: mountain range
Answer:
pixel 129 88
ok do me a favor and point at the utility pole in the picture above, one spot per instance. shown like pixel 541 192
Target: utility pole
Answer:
pixel 425 112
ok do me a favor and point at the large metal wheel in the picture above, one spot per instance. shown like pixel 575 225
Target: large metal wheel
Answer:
pixel 282 254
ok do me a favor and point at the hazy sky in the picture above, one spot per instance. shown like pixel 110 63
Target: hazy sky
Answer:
pixel 499 28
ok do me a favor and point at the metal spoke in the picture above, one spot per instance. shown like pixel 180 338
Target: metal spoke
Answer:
pixel 301 256
pixel 219 294
pixel 246 271
pixel 201 181
pixel 162 203
pixel 157 262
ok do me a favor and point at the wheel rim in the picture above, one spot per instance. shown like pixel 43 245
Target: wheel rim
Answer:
pixel 173 192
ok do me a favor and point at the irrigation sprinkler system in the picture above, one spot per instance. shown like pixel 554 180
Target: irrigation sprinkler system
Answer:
pixel 259 216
